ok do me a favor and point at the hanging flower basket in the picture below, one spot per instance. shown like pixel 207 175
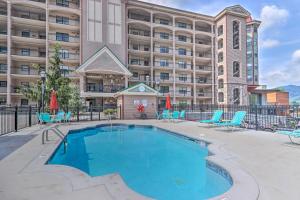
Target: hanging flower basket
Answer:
pixel 141 110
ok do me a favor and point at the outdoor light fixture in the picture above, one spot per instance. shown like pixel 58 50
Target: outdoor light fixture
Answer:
pixel 43 78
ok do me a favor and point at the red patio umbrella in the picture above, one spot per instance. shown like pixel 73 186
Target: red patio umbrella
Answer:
pixel 53 101
pixel 168 102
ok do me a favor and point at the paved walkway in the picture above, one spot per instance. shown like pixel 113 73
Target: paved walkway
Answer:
pixel 270 159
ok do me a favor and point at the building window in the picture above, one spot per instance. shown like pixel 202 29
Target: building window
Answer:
pixel 62 20
pixel 164 89
pixel 135 74
pixel 164 50
pixel 25 52
pixel 221 84
pixel 236 96
pixel 181 25
pixel 114 22
pixel 2 101
pixel 163 63
pixel 220 30
pixel 164 21
pixel 64 54
pixel 163 35
pixel 64 3
pixel 182 38
pixel 220 70
pixel 3 68
pixel 220 44
pixel 183 91
pixel 24 102
pixel 201 79
pixel 25 34
pixel 164 76
pixel 3 49
pixel 221 97
pixel 220 57
pixel 236 69
pixel 3 84
pixel 182 51
pixel 62 37
pixel 25 69
pixel 94 29
pixel 236 34
pixel 182 64
pixel 134 61
pixel 182 77
pixel 146 62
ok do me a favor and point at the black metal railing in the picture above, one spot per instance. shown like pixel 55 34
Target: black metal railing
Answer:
pixel 267 117
pixel 14 118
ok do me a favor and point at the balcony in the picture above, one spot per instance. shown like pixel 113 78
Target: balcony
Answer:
pixel 163 65
pixel 138 17
pixel 19 71
pixel 184 80
pixel 66 4
pixel 183 25
pixel 67 40
pixel 30 56
pixel 3 90
pixel 139 49
pixel 140 79
pixel 64 23
pixel 36 39
pixel 39 1
pixel 164 79
pixel 3 11
pixel 204 94
pixel 203 69
pixel 3 69
pixel 183 93
pixel 162 36
pixel 143 34
pixel 163 50
pixel 30 15
pixel 95 88
pixel 184 53
pixel 203 80
pixel 183 66
pixel 165 22
pixel 138 63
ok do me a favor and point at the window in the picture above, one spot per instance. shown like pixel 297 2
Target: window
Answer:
pixel 94 29
pixel 181 25
pixel 163 35
pixel 25 34
pixel 62 37
pixel 221 83
pixel 64 54
pixel 183 90
pixel 181 51
pixel 221 97
pixel 164 76
pixel 134 61
pixel 24 102
pixel 114 21
pixel 182 38
pixel 135 74
pixel 220 30
pixel 91 87
pixel 164 89
pixel 3 68
pixel 236 34
pixel 62 20
pixel 3 84
pixel 25 52
pixel 164 21
pixel 236 69
pixel 2 101
pixel 64 3
pixel 236 96
pixel 220 70
pixel 220 44
pixel 146 48
pixel 25 69
pixel 64 71
pixel 135 46
pixel 182 77
pixel 3 49
pixel 182 64
pixel 201 80
pixel 164 50
pixel 146 62
pixel 220 57
pixel 163 63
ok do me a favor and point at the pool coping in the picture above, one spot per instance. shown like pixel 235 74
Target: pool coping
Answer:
pixel 243 186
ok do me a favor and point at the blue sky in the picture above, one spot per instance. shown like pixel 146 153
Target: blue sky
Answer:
pixel 279 39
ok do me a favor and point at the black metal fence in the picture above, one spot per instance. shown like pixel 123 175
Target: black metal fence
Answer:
pixel 18 117
pixel 268 117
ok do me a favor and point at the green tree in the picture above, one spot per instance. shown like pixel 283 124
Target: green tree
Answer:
pixel 75 100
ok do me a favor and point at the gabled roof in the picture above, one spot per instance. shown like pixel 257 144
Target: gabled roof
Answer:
pixel 236 10
pixel 140 89
pixel 104 61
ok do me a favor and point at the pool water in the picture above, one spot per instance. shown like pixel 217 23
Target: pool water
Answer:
pixel 153 162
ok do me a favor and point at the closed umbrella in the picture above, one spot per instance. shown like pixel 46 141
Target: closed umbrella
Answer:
pixel 53 101
pixel 168 102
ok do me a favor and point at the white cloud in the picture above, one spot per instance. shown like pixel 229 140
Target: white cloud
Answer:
pixel 287 73
pixel 269 43
pixel 271 16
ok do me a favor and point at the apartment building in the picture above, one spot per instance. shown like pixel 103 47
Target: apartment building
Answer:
pixel 108 45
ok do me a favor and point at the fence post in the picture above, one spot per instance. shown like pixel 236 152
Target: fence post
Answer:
pixel 29 119
pixel 256 117
pixel 99 114
pixel 16 119
pixel 77 113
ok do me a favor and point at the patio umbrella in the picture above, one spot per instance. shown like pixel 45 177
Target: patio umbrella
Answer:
pixel 53 101
pixel 168 102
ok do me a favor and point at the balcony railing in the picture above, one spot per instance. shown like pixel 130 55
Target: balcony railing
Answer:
pixel 162 22
pixel 33 36
pixel 140 78
pixel 139 17
pixel 203 55
pixel 183 93
pixel 203 29
pixel 40 54
pixel 73 39
pixel 203 80
pixel 70 22
pixel 67 4
pixel 204 42
pixel 203 68
pixel 29 15
pixel 183 66
pixel 144 63
pixel 143 33
pixel 163 79
pixel 184 80
pixel 163 37
pixel 204 94
pixel 104 88
pixel 185 53
pixel 163 64
pixel 19 70
pixel 163 50
pixel 184 25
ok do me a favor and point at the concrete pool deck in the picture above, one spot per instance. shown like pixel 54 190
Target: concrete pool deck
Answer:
pixel 270 159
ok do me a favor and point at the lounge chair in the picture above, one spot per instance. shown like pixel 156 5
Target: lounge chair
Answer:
pixel 236 121
pixel 175 115
pixel 216 118
pixel 291 134
pixel 45 118
pixel 68 117
pixel 60 116
pixel 165 114
pixel 182 115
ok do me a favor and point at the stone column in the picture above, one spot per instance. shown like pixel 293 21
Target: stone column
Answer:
pixel 9 81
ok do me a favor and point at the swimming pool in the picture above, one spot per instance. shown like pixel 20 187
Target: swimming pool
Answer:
pixel 153 162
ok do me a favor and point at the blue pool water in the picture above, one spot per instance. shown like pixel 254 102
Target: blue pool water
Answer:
pixel 152 162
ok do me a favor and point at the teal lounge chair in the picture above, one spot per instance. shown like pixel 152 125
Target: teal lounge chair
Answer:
pixel 182 115
pixel 60 116
pixel 68 117
pixel 175 115
pixel 165 114
pixel 216 118
pixel 236 121
pixel 45 118
pixel 291 134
